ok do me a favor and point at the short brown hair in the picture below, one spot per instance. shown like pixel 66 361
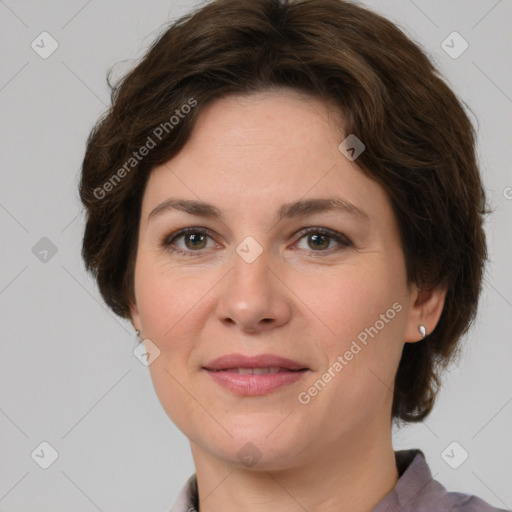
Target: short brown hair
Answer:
pixel 420 146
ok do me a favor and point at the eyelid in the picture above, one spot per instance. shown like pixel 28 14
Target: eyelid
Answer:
pixel 175 234
pixel 335 235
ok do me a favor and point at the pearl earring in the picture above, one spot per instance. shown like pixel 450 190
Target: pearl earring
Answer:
pixel 422 330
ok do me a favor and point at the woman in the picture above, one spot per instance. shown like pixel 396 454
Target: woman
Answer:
pixel 284 200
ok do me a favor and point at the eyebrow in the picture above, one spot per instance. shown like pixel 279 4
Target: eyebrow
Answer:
pixel 298 208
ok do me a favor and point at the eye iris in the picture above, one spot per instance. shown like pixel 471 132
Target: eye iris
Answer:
pixel 196 239
pixel 323 241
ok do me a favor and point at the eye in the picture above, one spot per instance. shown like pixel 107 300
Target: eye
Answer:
pixel 320 240
pixel 194 240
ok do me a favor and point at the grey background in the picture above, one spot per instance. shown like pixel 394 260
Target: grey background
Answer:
pixel 67 372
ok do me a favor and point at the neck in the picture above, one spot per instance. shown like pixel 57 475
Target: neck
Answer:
pixel 351 477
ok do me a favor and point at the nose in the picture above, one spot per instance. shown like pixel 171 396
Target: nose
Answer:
pixel 253 296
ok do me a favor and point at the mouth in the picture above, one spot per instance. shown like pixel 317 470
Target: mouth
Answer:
pixel 256 371
pixel 254 375
pixel 256 362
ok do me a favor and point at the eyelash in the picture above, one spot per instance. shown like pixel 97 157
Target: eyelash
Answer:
pixel 334 235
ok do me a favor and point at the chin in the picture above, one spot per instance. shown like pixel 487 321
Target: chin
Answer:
pixel 254 447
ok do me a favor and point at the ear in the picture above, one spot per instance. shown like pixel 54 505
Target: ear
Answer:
pixel 135 316
pixel 425 309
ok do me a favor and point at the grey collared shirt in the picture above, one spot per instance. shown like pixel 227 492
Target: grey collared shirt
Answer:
pixel 415 491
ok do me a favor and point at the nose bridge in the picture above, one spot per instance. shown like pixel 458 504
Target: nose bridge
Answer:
pixel 251 268
pixel 252 296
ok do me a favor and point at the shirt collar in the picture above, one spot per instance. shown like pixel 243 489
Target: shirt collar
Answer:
pixel 414 483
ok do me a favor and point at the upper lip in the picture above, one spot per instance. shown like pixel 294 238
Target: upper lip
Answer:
pixel 257 361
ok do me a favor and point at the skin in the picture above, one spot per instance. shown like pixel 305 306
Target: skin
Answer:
pixel 247 156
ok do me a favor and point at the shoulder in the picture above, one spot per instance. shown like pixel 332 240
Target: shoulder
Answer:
pixel 451 502
pixel 459 502
pixel 417 490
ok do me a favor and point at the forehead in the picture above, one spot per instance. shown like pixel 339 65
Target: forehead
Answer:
pixel 260 151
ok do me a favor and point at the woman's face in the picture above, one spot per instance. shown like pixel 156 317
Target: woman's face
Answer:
pixel 267 271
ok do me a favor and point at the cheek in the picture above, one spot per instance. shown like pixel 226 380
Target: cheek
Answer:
pixel 355 302
pixel 166 298
pixel 366 318
pixel 176 396
pixel 167 302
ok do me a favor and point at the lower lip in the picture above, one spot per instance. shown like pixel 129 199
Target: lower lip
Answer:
pixel 253 385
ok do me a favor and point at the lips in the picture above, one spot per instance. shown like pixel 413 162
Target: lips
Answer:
pixel 233 361
pixel 254 375
pixel 256 371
